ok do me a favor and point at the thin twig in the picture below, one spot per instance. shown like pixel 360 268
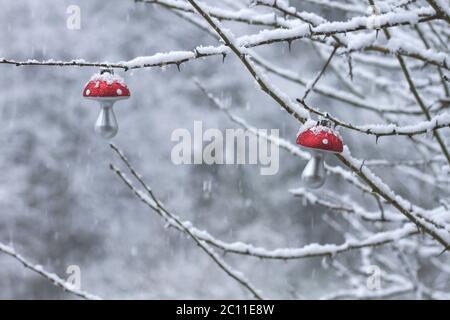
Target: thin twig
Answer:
pixel 319 75
pixel 53 278
pixel 163 212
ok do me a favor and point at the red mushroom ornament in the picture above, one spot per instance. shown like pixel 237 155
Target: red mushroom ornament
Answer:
pixel 106 88
pixel 320 137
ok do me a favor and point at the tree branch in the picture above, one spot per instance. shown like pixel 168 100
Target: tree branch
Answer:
pixel 157 206
pixel 53 278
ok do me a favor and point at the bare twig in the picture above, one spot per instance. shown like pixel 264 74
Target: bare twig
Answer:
pixel 311 86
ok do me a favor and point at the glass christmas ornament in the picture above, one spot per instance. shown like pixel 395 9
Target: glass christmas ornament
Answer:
pixel 321 138
pixel 107 89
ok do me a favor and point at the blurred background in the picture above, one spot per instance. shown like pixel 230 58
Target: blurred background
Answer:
pixel 61 205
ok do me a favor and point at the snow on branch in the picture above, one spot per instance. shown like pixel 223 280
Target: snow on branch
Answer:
pixel 202 237
pixel 366 294
pixel 363 42
pixel 156 60
pixel 402 205
pixel 53 278
pixel 276 94
pixel 149 198
pixel 391 19
pixel 321 250
pixel 244 15
pixel 420 100
pixel 380 130
pixel 376 186
pixel 436 229
pixel 352 8
pixel 284 144
pixel 385 293
pixel 353 208
pixel 334 93
pixel 442 8
pixel 303 30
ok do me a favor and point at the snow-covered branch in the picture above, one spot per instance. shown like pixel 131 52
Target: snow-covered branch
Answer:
pixel 442 8
pixel 380 130
pixel 357 166
pixel 283 143
pixel 51 277
pixel 203 238
pixel 150 200
pixel 247 16
pixel 302 31
pixel 156 60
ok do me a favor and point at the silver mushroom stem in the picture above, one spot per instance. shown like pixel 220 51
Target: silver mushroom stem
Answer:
pixel 313 175
pixel 106 124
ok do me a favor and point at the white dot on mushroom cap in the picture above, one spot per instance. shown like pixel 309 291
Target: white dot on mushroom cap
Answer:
pixel 325 141
pixel 88 92
pixel 119 92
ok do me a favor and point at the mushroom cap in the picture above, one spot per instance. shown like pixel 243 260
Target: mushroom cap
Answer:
pixel 321 138
pixel 106 87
